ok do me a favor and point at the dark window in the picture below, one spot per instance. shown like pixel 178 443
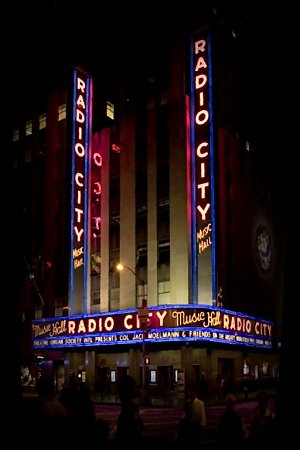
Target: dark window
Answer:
pixel 142 257
pixel 164 253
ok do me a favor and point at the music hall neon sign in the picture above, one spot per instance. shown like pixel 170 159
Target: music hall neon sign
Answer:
pixel 80 191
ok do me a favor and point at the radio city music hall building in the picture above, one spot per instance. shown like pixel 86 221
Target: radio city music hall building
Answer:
pixel 169 188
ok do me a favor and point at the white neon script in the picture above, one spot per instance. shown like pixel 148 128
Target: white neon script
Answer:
pixel 204 238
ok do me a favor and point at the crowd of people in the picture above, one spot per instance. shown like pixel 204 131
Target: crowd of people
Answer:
pixel 67 419
pixel 261 434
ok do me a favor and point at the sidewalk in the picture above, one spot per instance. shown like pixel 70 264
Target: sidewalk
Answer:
pixel 172 400
pixel 160 422
pixel 175 401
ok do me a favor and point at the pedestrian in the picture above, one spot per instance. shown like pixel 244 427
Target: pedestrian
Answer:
pixel 202 387
pixel 130 425
pixel 261 427
pixel 76 399
pixel 230 432
pixel 101 433
pixel 127 387
pixel 45 420
pixel 187 431
pixel 198 409
pixel 219 389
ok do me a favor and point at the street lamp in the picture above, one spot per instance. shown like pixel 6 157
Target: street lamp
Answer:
pixel 121 266
pixel 143 315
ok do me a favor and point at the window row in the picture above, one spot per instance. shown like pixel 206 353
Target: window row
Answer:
pixel 42 122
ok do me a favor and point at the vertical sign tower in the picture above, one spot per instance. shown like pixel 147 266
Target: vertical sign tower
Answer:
pixel 202 170
pixel 81 130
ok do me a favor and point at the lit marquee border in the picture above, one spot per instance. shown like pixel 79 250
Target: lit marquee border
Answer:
pixel 81 129
pixel 169 323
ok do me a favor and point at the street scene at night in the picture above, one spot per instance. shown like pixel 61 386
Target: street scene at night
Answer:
pixel 149 217
pixel 157 430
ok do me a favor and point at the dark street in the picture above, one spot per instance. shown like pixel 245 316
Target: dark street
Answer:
pixel 160 422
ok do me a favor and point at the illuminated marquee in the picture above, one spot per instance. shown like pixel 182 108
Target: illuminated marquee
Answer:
pixel 80 183
pixel 202 168
pixel 170 323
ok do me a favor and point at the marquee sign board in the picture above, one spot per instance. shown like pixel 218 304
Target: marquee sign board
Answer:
pixel 169 323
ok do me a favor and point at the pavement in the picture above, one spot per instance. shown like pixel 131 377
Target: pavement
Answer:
pixel 241 397
pixel 160 422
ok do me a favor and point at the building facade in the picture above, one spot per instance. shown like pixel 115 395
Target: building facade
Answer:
pixel 168 185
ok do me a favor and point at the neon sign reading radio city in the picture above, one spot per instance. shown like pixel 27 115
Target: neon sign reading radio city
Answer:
pixel 79 176
pixel 202 144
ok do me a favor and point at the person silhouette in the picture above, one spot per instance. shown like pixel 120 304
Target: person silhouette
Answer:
pixel 130 426
pixel 261 427
pixel 81 412
pixel 45 418
pixel 230 433
pixel 202 387
pixel 187 431
pixel 198 409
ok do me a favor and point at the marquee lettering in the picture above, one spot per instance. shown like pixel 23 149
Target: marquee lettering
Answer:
pixel 176 323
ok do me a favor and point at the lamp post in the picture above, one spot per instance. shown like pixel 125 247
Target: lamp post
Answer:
pixel 143 315
pixel 121 266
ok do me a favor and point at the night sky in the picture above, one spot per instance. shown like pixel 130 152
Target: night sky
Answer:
pixel 40 39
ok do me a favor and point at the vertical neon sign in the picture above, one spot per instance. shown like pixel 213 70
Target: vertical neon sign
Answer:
pixel 202 170
pixel 81 126
pixel 96 191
